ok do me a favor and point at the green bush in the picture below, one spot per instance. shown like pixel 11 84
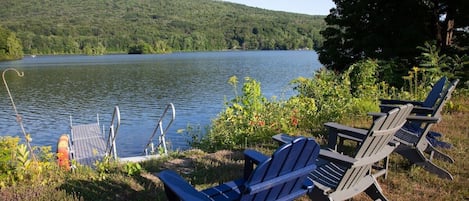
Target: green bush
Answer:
pixel 331 95
pixel 16 165
pixel 326 97
pixel 248 118
pixel 365 89
pixel 303 113
pixel 8 147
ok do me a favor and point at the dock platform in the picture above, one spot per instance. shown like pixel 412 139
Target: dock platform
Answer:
pixel 88 144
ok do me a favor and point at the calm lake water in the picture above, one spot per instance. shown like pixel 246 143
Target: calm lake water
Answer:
pixel 55 87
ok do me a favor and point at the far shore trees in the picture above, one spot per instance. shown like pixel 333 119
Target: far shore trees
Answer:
pixel 147 26
pixel 10 46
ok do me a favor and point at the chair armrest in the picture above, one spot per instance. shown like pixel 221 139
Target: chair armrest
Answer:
pixel 417 109
pixel 255 156
pixel 176 186
pixel 347 161
pixel 345 129
pixel 283 138
pixel 400 102
pixel 376 115
pixel 338 130
pixel 335 157
pixel 387 107
pixel 424 119
pixel 252 157
pixel 423 110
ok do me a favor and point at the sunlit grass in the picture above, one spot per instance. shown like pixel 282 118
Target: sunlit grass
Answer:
pixel 202 169
pixel 404 182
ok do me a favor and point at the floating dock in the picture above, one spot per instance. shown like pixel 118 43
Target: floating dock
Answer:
pixel 88 144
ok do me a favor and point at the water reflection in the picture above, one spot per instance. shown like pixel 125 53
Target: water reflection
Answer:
pixel 55 87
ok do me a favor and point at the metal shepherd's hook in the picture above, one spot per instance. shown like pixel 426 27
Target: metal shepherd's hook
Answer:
pixel 19 119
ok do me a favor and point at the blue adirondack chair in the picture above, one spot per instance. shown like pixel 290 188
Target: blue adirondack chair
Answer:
pixel 341 177
pixel 413 141
pixel 418 127
pixel 425 105
pixel 428 107
pixel 280 177
pixel 413 147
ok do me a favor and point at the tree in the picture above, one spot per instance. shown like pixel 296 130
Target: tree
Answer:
pixel 141 48
pixel 183 25
pixel 10 46
pixel 455 24
pixel 388 30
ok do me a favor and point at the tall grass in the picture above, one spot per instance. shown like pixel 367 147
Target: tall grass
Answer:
pixel 404 182
pixel 248 121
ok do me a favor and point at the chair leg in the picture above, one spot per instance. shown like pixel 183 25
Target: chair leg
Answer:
pixel 318 195
pixel 435 153
pixel 386 166
pixel 170 194
pixel 432 168
pixel 418 158
pixel 375 192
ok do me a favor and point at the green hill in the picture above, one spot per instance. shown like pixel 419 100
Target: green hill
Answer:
pixel 150 26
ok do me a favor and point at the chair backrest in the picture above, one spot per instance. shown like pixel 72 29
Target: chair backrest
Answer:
pixel 285 173
pixel 435 102
pixel 435 93
pixel 370 151
pixel 426 127
pixel 446 95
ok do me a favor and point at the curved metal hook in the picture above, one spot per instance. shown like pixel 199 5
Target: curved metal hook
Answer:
pixel 19 119
pixel 20 74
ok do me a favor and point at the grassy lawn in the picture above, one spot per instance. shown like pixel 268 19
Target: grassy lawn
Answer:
pixel 404 182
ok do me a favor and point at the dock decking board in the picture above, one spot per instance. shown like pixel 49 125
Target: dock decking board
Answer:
pixel 88 143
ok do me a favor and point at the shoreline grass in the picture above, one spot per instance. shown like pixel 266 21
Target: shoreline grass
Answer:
pixel 404 182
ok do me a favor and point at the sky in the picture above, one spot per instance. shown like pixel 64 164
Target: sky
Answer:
pixel 310 7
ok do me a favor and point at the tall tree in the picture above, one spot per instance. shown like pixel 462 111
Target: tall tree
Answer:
pixel 455 24
pixel 387 30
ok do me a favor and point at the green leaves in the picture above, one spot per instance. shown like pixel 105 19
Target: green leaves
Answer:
pixel 57 27
pixel 382 30
pixel 23 162
pixel 132 168
pixel 10 45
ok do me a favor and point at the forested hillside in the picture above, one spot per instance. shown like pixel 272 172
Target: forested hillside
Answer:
pixel 151 26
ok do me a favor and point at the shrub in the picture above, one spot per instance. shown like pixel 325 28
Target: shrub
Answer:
pixel 16 165
pixel 248 118
pixel 8 147
pixel 331 95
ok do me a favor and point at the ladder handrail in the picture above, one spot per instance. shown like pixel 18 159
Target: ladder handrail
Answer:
pixel 114 127
pixel 163 131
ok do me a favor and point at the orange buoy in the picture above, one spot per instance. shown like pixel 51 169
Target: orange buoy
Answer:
pixel 63 152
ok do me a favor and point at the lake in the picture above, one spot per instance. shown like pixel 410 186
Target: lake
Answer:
pixel 56 87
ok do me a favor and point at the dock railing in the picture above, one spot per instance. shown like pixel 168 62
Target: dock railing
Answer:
pixel 71 125
pixel 162 132
pixel 113 128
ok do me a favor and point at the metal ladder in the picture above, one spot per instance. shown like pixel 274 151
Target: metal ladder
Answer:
pixel 113 128
pixel 150 148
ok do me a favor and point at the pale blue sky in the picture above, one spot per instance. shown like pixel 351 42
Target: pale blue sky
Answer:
pixel 311 7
